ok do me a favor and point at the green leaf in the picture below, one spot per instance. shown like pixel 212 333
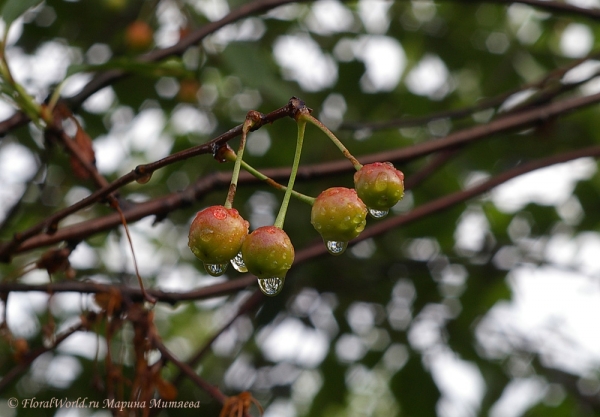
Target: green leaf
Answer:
pixel 12 9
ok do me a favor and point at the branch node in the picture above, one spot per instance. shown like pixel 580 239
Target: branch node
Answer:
pixel 297 107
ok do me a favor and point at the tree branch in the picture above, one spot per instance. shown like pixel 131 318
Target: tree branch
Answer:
pixel 555 6
pixel 163 205
pixel 318 249
pixel 104 79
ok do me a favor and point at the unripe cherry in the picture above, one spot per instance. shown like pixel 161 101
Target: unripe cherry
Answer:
pixel 380 186
pixel 216 236
pixel 339 215
pixel 268 253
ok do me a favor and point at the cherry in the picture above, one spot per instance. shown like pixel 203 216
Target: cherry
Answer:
pixel 216 236
pixel 188 90
pixel 139 35
pixel 268 252
pixel 339 215
pixel 380 186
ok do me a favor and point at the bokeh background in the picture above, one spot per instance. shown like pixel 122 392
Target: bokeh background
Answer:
pixel 488 308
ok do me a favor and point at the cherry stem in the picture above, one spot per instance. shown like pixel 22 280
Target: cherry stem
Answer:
pixel 252 118
pixel 309 118
pixel 288 192
pixel 299 196
pixel 228 155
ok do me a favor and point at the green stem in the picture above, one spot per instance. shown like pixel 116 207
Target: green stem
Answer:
pixel 334 139
pixel 252 118
pixel 55 95
pixel 238 163
pixel 302 197
pixel 288 193
pixel 27 104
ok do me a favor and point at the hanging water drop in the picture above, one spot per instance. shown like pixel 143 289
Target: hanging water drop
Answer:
pixel 239 264
pixel 270 286
pixel 215 269
pixel 378 214
pixel 336 248
pixel 144 178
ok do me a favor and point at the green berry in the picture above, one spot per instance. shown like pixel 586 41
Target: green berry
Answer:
pixel 379 185
pixel 338 214
pixel 268 252
pixel 216 234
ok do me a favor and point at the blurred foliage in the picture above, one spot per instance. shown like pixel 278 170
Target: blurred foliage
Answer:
pixel 370 327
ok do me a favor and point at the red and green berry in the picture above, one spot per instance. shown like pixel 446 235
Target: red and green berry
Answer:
pixel 216 236
pixel 268 252
pixel 339 215
pixel 380 186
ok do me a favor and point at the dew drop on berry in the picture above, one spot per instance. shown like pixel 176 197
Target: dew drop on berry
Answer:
pixel 381 182
pixel 336 248
pixel 239 264
pixel 215 269
pixel 270 286
pixel 378 214
pixel 206 234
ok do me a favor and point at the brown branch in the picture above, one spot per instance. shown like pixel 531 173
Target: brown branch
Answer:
pixel 134 293
pixel 248 305
pixel 185 369
pixel 107 78
pixel 461 196
pixel 556 6
pixel 549 80
pixel 163 205
pixel 508 122
pixel 104 79
pixel 436 162
pixel 49 224
pixel 318 249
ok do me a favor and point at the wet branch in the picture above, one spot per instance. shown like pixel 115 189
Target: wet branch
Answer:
pixel 312 251
pixel 163 205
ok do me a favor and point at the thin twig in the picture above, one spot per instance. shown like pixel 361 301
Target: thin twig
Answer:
pixel 141 171
pixel 556 6
pixel 319 249
pixel 248 305
pixel 164 205
pixel 189 372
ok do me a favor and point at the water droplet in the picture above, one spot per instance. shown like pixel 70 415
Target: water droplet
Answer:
pixel 381 182
pixel 336 248
pixel 270 286
pixel 215 269
pixel 378 214
pixel 239 264
pixel 206 234
pixel 143 179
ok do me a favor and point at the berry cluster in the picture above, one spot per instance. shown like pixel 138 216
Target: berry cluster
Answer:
pixel 219 235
